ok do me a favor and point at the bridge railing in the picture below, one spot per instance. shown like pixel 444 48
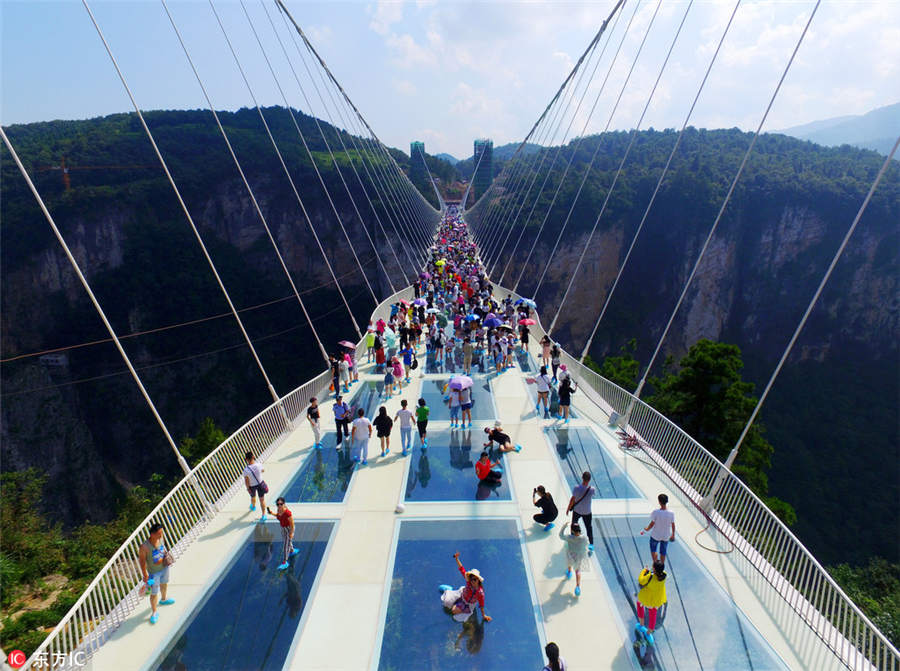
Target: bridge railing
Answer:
pixel 184 512
pixel 769 547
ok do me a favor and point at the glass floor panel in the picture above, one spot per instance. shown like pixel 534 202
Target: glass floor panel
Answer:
pixel 483 403
pixel 446 471
pixel 419 634
pixel 368 395
pixel 579 450
pixel 526 361
pixel 324 476
pixel 249 619
pixel 701 627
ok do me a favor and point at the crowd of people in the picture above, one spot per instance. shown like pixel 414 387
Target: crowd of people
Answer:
pixel 463 326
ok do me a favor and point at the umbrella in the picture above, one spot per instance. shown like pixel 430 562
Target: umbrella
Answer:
pixel 492 322
pixel 425 276
pixel 404 303
pixel 530 303
pixel 440 262
pixel 490 315
pixel 519 301
pixel 420 301
pixel 527 322
pixel 461 382
pixel 433 311
pixel 347 343
pixel 505 326
pixel 471 318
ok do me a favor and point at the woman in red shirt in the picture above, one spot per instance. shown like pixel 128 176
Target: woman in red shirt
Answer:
pixel 461 602
pixel 286 520
pixel 484 469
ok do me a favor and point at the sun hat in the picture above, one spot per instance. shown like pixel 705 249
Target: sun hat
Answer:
pixel 476 573
pixel 498 424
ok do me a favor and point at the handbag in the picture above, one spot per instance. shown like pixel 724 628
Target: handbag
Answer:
pixel 414 364
pixel 168 559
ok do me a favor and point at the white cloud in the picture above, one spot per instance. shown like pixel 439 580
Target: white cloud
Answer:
pixel 385 15
pixel 404 87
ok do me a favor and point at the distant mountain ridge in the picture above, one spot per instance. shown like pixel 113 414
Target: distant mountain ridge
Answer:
pixel 877 130
pixel 447 157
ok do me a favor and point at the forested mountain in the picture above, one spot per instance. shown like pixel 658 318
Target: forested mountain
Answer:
pixel 832 416
pixel 80 419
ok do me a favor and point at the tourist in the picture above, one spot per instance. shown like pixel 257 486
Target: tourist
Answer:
pixel 335 374
pixel 576 554
pixel 405 416
pixel 545 349
pixel 398 373
pixel 465 405
pixel 255 484
pixel 541 498
pixel 359 436
pixel 554 661
pixel 555 354
pixel 468 351
pixel 461 602
pixel 580 506
pixel 341 419
pixel 312 415
pixel 388 381
pixel 503 440
pixel 543 391
pixel 345 373
pixel 370 343
pixel 662 530
pixel 154 560
pixel 454 402
pixel 523 337
pixel 566 389
pixel 488 472
pixel 422 412
pixel 383 426
pixel 652 594
pixel 408 354
pixel 286 519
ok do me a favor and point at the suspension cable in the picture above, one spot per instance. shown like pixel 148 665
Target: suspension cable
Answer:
pixel 339 135
pixel 187 214
pixel 590 166
pixel 634 135
pixel 87 287
pixel 687 284
pixel 312 159
pixel 334 161
pixel 291 181
pixel 246 183
pixel 809 308
pixel 557 152
pixel 581 137
pixel 659 182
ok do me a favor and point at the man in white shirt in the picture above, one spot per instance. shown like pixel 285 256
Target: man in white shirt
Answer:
pixel 405 415
pixel 661 528
pixel 362 431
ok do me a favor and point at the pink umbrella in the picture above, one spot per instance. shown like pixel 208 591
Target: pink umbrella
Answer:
pixel 461 382
pixel 403 302
pixel 347 343
pixel 527 322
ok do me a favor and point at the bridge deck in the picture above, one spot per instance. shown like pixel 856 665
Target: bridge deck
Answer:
pixel 344 610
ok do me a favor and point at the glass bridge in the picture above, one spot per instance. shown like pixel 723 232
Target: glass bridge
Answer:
pixel 375 542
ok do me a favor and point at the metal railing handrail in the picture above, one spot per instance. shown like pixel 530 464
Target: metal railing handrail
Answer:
pixel 185 511
pixel 794 573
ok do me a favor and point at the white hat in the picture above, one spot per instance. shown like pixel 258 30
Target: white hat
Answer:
pixel 476 573
pixel 498 424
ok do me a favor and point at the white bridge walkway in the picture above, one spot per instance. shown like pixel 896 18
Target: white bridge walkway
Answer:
pixel 343 618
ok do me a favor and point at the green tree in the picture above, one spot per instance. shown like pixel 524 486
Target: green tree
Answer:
pixel 707 397
pixel 622 370
pixel 208 437
pixel 875 588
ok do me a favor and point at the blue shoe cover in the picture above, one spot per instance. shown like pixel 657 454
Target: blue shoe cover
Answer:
pixel 444 588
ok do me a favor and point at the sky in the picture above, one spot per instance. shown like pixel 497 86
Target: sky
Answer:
pixel 448 72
